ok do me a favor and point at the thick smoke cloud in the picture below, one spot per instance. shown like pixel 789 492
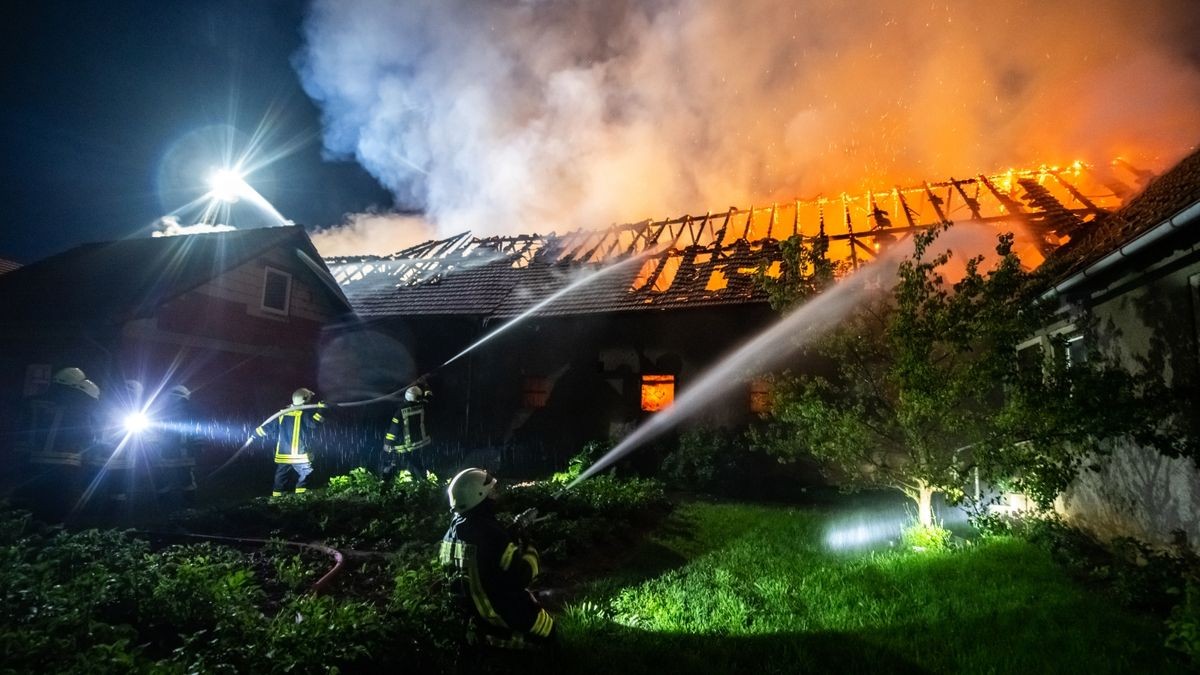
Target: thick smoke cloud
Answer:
pixel 538 115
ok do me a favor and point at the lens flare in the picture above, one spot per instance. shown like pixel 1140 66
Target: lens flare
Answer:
pixel 136 422
pixel 227 185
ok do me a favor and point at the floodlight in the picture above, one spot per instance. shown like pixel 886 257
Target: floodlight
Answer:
pixel 136 422
pixel 227 185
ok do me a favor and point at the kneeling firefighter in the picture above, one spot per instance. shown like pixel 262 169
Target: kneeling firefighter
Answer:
pixel 489 569
pixel 291 448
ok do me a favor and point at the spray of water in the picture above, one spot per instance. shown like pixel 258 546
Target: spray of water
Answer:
pixel 574 286
pixel 579 283
pixel 785 337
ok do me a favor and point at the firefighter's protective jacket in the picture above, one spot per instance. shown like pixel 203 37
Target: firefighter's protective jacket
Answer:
pixel 61 427
pixel 489 572
pixel 295 428
pixel 407 431
pixel 177 445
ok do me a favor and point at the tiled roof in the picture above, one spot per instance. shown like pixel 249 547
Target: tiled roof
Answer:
pixel 499 289
pixel 1164 197
pixel 696 261
pixel 113 281
pixel 7 266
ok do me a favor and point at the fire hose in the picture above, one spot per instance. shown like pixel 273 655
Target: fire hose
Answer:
pixel 339 560
pixel 314 406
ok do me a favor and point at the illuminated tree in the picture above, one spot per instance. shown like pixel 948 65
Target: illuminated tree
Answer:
pixel 921 384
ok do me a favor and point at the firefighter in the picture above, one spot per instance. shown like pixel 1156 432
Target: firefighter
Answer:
pixel 291 450
pixel 407 435
pixel 489 569
pixel 113 459
pixel 59 430
pixel 176 446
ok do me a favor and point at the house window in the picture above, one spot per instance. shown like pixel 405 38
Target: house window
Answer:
pixel 658 391
pixel 1194 283
pixel 1031 358
pixel 1075 350
pixel 277 291
pixel 760 396
pixel 535 392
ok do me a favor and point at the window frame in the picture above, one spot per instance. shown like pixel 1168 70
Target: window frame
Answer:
pixel 287 292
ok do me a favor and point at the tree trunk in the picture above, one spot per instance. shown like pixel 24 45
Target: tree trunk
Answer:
pixel 924 505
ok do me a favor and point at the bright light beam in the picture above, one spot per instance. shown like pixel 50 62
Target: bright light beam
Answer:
pixel 227 185
pixel 136 422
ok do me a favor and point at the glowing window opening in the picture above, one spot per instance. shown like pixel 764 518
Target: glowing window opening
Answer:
pixel 658 392
pixel 760 396
pixel 535 392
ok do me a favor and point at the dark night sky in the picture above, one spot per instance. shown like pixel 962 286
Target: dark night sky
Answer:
pixel 97 96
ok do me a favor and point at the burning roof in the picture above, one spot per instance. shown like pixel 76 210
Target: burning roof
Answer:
pixel 711 259
pixel 1165 196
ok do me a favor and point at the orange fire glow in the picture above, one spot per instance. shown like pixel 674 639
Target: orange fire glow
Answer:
pixel 658 392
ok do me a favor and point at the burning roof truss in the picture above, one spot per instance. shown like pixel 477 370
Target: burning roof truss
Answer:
pixel 713 258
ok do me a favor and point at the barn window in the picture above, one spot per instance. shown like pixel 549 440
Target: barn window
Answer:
pixel 535 392
pixel 760 396
pixel 658 391
pixel 277 291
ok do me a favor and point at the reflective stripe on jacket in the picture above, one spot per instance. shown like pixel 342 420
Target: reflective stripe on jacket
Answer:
pixel 489 572
pixel 407 431
pixel 291 446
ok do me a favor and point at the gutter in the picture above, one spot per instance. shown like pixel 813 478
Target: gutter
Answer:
pixel 1143 241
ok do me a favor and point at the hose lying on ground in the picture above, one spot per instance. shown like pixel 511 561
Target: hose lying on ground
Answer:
pixel 339 560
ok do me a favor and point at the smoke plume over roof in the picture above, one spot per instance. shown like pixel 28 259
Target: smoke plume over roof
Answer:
pixel 506 116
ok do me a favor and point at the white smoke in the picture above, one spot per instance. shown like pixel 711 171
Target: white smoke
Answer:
pixel 363 233
pixel 533 115
pixel 169 226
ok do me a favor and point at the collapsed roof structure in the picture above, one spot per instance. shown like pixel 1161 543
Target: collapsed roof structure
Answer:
pixel 712 259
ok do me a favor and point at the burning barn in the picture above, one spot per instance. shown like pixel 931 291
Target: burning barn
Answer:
pixel 587 354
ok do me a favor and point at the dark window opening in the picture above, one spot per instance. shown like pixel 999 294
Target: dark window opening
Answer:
pixel 277 291
pixel 535 392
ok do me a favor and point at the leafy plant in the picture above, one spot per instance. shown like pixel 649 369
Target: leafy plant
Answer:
pixel 922 538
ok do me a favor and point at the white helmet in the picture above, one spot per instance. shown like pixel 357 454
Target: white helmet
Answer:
pixel 302 395
pixel 469 488
pixel 71 377
pixel 182 392
pixel 90 388
pixel 414 394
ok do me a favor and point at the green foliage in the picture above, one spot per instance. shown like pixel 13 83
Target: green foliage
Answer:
pixel 922 538
pixel 921 385
pixel 804 271
pixel 358 482
pixel 752 589
pixel 705 459
pixel 591 452
pixel 1183 626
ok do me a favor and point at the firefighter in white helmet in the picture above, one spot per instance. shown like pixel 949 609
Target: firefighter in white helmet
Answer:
pixel 407 435
pixel 176 446
pixel 60 428
pixel 294 437
pixel 490 569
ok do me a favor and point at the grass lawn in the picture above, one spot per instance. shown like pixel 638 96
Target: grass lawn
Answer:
pixel 742 588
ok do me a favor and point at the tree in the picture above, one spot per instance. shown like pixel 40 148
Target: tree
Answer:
pixel 921 385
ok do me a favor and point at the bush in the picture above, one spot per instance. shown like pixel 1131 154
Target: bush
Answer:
pixel 1183 626
pixel 591 452
pixel 925 537
pixel 705 459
